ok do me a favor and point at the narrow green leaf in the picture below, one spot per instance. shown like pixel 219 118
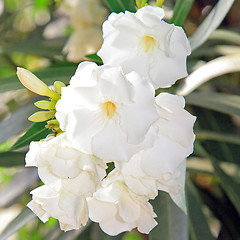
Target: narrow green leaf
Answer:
pixel 225 35
pixel 225 103
pixel 210 70
pixel 198 225
pixel 35 133
pixel 172 222
pixel 230 186
pixel 12 159
pixel 210 23
pixel 47 75
pixel 181 11
pixel 94 57
pixel 120 5
pixel 25 216
pixel 220 137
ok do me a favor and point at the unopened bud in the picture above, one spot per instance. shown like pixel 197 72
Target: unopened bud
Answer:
pixel 34 84
pixel 58 86
pixel 45 104
pixel 42 116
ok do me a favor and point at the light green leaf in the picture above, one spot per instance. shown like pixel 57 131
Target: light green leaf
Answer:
pixel 25 216
pixel 230 186
pixel 225 103
pixel 35 133
pixel 47 75
pixel 220 137
pixel 172 222
pixel 121 5
pixel 198 225
pixel 225 35
pixel 210 23
pixel 210 70
pixel 181 10
pixel 11 159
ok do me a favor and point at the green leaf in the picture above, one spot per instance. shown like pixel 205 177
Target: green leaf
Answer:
pixel 94 57
pixel 225 35
pixel 25 216
pixel 198 225
pixel 181 11
pixel 210 23
pixel 210 70
pixel 230 186
pixel 220 137
pixel 47 75
pixel 12 159
pixel 172 222
pixel 120 5
pixel 225 103
pixel 35 133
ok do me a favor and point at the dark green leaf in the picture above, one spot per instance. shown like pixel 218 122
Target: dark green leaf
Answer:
pixel 225 103
pixel 230 186
pixel 181 11
pixel 121 5
pixel 198 225
pixel 94 57
pixel 172 222
pixel 11 159
pixel 35 133
pixel 25 216
pixel 47 75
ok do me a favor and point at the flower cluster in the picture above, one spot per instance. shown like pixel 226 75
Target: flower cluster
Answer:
pixel 109 116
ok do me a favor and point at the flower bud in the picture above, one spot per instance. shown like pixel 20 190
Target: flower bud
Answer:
pixel 58 85
pixel 41 116
pixel 34 84
pixel 45 104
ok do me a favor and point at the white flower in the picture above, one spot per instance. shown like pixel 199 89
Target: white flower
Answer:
pixel 105 112
pixel 144 43
pixel 164 162
pixel 70 209
pixel 117 209
pixel 62 167
pixel 83 42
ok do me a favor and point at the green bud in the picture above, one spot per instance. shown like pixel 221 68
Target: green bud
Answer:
pixel 34 84
pixel 45 104
pixel 42 116
pixel 58 85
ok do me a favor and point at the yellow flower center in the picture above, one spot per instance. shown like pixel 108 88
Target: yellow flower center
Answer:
pixel 109 108
pixel 148 43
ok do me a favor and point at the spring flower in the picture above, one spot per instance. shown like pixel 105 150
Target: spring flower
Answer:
pixel 105 112
pixel 117 209
pixel 144 43
pixel 164 162
pixel 61 166
pixel 69 208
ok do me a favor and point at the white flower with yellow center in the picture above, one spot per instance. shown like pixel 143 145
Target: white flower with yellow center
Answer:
pixel 105 112
pixel 62 167
pixel 144 43
pixel 162 166
pixel 117 209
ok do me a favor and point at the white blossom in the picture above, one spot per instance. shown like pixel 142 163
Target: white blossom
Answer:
pixel 163 164
pixel 105 112
pixel 144 43
pixel 69 208
pixel 117 209
pixel 62 167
